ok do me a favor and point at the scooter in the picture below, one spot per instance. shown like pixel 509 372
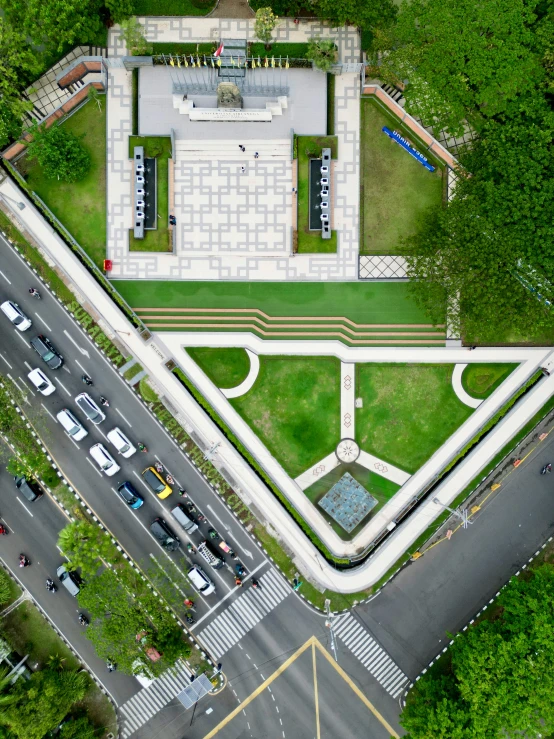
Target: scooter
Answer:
pixel 104 401
pixel 191 549
pixel 4 529
pixel 189 619
pixel 24 561
pixel 50 586
pixel 83 620
pixel 240 570
pixel 87 380
pixel 189 604
pixel 546 469
pixel 34 292
pixel 142 447
pixel 213 534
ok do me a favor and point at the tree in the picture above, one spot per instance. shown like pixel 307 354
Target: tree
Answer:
pixel 497 679
pixel 369 14
pixel 461 59
pixel 86 546
pixel 264 24
pixel 496 231
pixel 39 704
pixel 77 728
pixel 59 152
pixel 120 10
pixel 56 22
pixel 132 34
pixel 322 52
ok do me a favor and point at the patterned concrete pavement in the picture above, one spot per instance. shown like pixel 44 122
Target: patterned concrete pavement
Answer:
pixel 264 254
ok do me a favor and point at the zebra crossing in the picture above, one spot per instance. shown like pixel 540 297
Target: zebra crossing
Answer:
pixel 139 709
pixel 244 613
pixel 371 655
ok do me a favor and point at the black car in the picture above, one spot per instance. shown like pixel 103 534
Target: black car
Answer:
pixel 128 493
pixel 43 347
pixel 164 534
pixel 28 488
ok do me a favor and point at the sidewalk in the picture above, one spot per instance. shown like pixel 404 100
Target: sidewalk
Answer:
pixel 153 355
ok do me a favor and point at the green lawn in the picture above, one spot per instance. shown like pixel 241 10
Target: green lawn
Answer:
pixel 294 408
pixel 396 189
pixel 408 411
pixel 380 302
pixel 378 486
pixel 226 367
pixel 480 380
pixel 80 206
pixel 278 49
pixel 173 7
pixel 160 238
pixel 310 242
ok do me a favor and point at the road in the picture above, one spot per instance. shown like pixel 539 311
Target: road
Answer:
pixel 34 530
pixel 269 630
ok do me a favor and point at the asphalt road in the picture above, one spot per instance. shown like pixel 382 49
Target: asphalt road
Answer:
pixel 443 590
pixel 286 622
pixel 34 529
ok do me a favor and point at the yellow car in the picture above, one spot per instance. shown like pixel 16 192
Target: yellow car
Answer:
pixel 154 480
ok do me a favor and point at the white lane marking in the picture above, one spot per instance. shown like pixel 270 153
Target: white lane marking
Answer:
pixel 66 368
pixel 168 471
pixel 4 276
pixel 24 506
pixel 23 392
pixel 123 417
pixel 234 590
pixel 74 442
pixel 64 387
pixel 83 351
pixel 52 416
pixel 40 318
pixel 18 333
pixel 94 468
pixel 6 361
pixel 23 381
pixel 103 434
pixel 27 365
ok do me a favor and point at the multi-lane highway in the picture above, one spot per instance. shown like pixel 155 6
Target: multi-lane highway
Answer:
pixel 252 632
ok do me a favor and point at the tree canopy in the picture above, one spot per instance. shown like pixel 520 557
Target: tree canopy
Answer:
pixel 59 152
pixel 497 678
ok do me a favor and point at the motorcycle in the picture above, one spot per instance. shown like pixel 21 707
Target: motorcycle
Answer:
pixel 34 292
pixel 159 467
pixel 213 534
pixel 4 529
pixel 112 667
pixel 83 620
pixel 50 586
pixel 87 380
pixel 189 619
pixel 255 583
pixel 24 561
pixel 183 493
pixel 142 447
pixel 191 549
pixel 189 604
pixel 240 570
pixel 104 401
pixel 546 469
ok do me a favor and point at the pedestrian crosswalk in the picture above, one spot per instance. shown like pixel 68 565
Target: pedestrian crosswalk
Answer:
pixel 371 655
pixel 243 614
pixel 139 709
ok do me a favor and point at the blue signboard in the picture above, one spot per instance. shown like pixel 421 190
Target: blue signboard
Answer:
pixel 405 144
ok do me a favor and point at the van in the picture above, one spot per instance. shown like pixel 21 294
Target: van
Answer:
pixel 206 552
pixel 104 460
pixel 201 581
pixel 16 315
pixel 71 425
pixel 182 519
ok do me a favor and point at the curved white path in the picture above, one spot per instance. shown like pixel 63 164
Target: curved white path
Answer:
pixel 459 389
pixel 248 382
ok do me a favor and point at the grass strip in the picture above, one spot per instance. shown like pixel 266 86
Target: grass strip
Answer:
pixel 197 395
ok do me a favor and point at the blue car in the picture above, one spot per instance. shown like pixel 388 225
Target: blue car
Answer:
pixel 129 495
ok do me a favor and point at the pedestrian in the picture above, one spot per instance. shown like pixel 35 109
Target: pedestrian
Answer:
pixel 242 148
pixel 256 155
pixel 294 190
pixel 243 170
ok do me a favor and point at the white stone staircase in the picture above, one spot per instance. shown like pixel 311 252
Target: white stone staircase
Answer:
pixel 227 150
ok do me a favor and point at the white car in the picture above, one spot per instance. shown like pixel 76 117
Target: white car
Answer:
pixel 41 382
pixel 16 315
pixel 71 425
pixel 104 460
pixel 121 442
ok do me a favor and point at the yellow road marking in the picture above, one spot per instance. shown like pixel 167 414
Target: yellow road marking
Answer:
pixel 314 643
pixel 316 695
pixel 260 688
pixel 356 689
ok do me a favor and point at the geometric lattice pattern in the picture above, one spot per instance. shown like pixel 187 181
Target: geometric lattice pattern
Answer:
pixel 384 267
pixel 348 502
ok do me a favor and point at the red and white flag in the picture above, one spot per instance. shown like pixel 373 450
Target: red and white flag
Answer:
pixel 218 51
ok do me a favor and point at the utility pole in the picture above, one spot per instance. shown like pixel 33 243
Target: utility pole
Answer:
pixel 329 624
pixel 462 515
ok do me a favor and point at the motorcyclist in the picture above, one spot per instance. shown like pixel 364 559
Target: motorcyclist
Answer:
pixel 34 292
pixel 255 583
pixel 189 619
pixel 189 603
pixel 546 469
pixel 24 560
pixel 86 379
pixel 83 620
pixel 104 401
pixel 190 548
pixel 213 534
pixel 50 585
pixel 142 447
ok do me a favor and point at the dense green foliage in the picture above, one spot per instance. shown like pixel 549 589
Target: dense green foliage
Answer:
pixel 489 65
pixel 497 678
pixel 322 52
pixel 59 152
pixel 86 546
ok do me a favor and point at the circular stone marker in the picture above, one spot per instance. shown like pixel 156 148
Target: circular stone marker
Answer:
pixel 347 451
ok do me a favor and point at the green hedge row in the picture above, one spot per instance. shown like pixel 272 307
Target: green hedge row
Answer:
pixel 197 395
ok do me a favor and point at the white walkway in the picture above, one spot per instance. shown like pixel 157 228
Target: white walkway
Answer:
pixel 459 388
pixel 385 469
pixel 249 380
pixel 319 470
pixel 153 355
pixel 347 400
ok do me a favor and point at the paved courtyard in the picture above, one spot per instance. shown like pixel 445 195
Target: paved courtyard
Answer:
pixel 230 224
